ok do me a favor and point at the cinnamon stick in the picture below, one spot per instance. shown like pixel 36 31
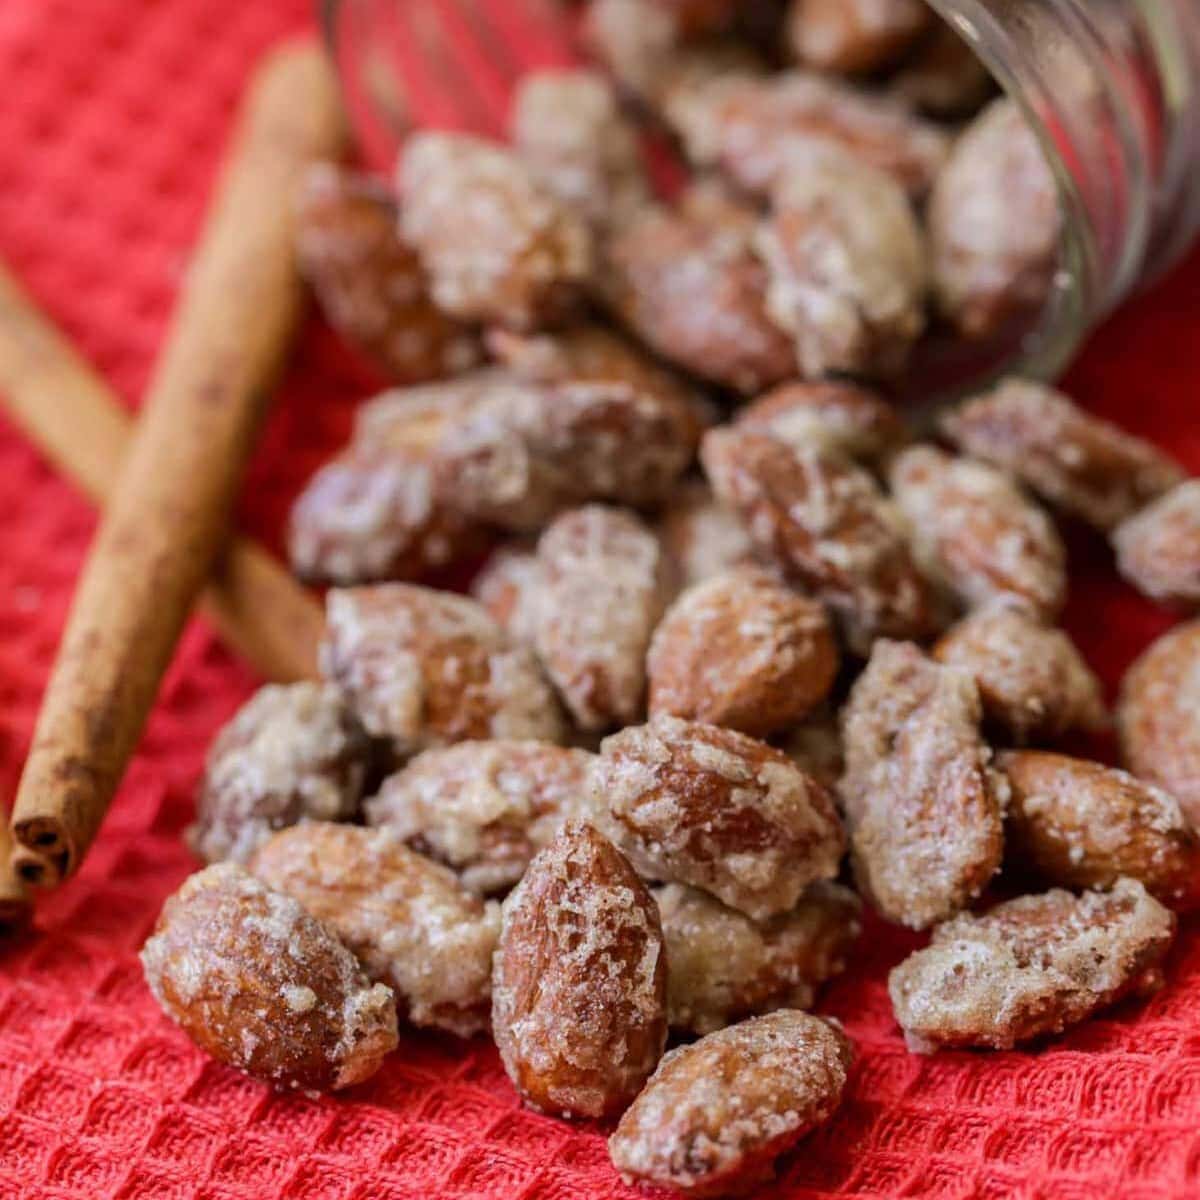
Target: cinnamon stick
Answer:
pixel 165 520
pixel 77 421
pixel 14 899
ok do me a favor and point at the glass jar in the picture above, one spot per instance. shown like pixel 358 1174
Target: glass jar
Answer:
pixel 1112 88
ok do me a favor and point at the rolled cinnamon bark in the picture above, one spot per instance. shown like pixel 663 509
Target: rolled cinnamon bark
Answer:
pixel 165 521
pixel 14 899
pixel 78 423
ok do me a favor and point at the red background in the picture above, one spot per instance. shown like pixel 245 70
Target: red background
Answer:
pixel 112 118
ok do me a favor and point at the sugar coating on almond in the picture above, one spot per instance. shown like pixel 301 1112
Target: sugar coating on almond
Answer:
pixel 697 804
pixel 1033 681
pixel 1158 548
pixel 289 752
pixel 408 920
pixel 702 537
pixel 744 651
pixel 602 589
pixel 484 808
pixel 725 967
pixel 425 668
pixel 257 981
pixel 1030 967
pixel 579 979
pixel 717 1113
pixel 923 809
pixel 506 587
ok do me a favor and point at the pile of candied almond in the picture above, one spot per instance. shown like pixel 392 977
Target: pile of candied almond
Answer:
pixel 734 623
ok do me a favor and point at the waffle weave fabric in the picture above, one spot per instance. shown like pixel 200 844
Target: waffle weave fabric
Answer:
pixel 113 119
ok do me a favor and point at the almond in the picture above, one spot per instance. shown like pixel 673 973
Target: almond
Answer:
pixel 696 804
pixel 975 533
pixel 484 808
pixel 425 668
pixel 743 651
pixel 261 985
pixel 1158 549
pixel 923 811
pixel 1158 716
pixel 854 36
pixel 408 920
pixel 724 966
pixel 1077 462
pixel 700 536
pixel 579 983
pixel 718 1113
pixel 1079 824
pixel 507 588
pixel 1031 967
pixel 1032 679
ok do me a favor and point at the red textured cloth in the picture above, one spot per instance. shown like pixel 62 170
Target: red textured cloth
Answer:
pixel 112 121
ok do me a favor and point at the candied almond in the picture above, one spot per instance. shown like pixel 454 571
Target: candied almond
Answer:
pixel 717 1114
pixel 1157 716
pixel 602 589
pixel 700 536
pixel 1032 680
pixel 289 752
pixel 425 668
pixel 694 291
pixel 260 984
pixel 1030 967
pixel 634 40
pixel 816 747
pixel 1076 461
pixel 692 803
pixel 854 36
pixel 830 415
pixel 1158 549
pixel 975 533
pixel 484 808
pixel 369 284
pixel 507 587
pixel 994 224
pixel 1080 824
pixel 846 261
pixel 408 920
pixel 568 126
pixel 695 18
pixel 825 523
pixel 724 967
pixel 923 811
pixel 744 651
pixel 580 979
pixel 497 244
pixel 754 128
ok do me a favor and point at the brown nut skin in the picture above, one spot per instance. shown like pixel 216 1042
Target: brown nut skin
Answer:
pixel 925 815
pixel 854 36
pixel 976 534
pixel 743 651
pixel 839 417
pixel 289 753
pixel 1158 549
pixel 701 537
pixel 846 261
pixel 568 126
pixel 1080 824
pixel 1156 716
pixel 994 225
pixel 754 128
pixel 498 246
pixel 1030 967
pixel 369 284
pixel 825 523
pixel 1034 683
pixel 425 668
pixel 260 984
pixel 694 291
pixel 718 1113
pixel 484 808
pixel 696 804
pixel 406 919
pixel 1077 462
pixel 602 590
pixel 724 967
pixel 579 980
